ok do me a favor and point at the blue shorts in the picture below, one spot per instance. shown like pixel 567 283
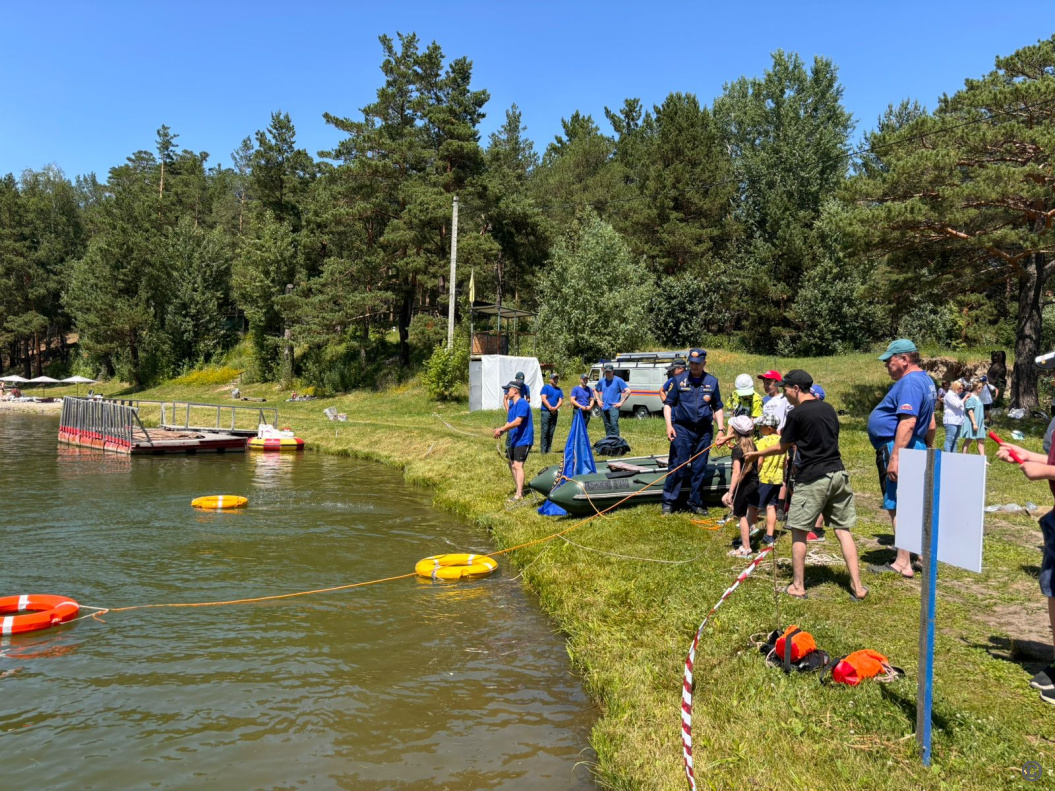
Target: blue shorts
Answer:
pixel 1047 563
pixel 768 494
pixel 887 486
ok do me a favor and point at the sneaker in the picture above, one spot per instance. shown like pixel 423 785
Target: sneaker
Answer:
pixel 813 538
pixel 1045 679
pixel 1047 695
pixel 666 510
pixel 700 510
pixel 769 541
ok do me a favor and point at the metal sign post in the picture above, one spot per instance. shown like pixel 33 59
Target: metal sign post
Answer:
pixel 925 688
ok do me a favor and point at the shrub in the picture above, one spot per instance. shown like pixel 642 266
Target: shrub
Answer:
pixel 209 376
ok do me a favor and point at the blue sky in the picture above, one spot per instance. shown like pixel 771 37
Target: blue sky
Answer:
pixel 85 84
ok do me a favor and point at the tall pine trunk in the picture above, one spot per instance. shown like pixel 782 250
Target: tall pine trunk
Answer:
pixel 406 308
pixel 1027 331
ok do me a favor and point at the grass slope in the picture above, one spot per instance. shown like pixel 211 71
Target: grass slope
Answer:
pixel 629 622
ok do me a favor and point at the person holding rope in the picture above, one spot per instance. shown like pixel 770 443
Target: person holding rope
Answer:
pixel 1040 467
pixel 822 485
pixel 691 407
pixel 521 435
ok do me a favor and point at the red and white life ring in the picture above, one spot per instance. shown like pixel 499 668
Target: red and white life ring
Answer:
pixel 38 612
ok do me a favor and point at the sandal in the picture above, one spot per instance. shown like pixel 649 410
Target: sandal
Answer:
pixel 740 553
pixel 887 568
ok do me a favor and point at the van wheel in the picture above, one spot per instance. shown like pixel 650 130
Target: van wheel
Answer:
pixel 641 412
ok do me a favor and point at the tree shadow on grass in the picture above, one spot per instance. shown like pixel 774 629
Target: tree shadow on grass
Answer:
pixel 1030 655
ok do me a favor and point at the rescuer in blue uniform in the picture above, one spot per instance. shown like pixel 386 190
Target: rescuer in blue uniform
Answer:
pixel 676 368
pixel 691 408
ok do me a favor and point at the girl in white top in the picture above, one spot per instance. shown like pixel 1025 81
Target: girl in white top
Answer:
pixel 954 416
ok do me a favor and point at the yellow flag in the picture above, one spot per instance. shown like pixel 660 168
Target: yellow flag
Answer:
pixel 472 286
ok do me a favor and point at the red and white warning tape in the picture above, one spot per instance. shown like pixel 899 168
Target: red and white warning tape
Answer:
pixel 686 692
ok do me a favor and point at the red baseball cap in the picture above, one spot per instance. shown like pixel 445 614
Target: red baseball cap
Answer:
pixel 771 375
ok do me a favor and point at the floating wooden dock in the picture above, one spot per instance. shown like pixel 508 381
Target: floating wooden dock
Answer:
pixel 241 421
pixel 116 427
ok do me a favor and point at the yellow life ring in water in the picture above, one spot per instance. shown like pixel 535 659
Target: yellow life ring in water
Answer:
pixel 219 502
pixel 455 567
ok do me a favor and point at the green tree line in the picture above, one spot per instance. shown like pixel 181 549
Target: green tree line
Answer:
pixel 754 223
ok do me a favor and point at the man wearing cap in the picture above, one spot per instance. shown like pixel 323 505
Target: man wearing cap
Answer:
pixel 611 393
pixel 582 398
pixel 823 485
pixel 552 398
pixel 987 396
pixel 691 407
pixel 903 419
pixel 776 404
pixel 521 434
pixel 745 401
pixel 676 367
pixel 525 391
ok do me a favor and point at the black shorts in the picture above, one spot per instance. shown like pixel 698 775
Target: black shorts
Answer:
pixel 768 495
pixel 746 496
pixel 519 452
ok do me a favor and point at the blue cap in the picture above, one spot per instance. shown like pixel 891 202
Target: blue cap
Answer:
pixel 900 346
pixel 698 356
pixel 520 375
pixel 817 392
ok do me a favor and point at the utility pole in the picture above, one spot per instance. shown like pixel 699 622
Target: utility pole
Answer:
pixel 454 272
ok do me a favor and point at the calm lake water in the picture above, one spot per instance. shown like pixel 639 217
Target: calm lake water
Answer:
pixel 406 684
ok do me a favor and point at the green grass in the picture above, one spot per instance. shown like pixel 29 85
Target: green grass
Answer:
pixel 629 623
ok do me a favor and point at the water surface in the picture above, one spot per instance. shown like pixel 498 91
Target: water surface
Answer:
pixel 406 684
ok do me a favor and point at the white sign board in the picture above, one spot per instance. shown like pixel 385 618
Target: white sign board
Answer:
pixel 961 506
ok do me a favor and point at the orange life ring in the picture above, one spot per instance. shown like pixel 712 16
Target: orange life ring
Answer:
pixel 40 612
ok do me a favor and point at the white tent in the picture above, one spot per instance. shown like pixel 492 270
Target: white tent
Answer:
pixel 490 372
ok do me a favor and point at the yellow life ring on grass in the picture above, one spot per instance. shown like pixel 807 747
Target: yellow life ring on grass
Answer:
pixel 455 567
pixel 219 502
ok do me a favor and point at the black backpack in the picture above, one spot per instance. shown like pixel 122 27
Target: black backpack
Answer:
pixel 611 446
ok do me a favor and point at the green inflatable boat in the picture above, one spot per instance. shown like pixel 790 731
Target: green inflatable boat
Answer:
pixel 620 478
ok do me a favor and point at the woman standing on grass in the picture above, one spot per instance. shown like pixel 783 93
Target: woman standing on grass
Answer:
pixel 953 415
pixel 742 496
pixel 974 425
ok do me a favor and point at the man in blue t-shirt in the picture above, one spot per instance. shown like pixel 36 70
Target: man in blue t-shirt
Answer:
pixel 904 419
pixel 521 434
pixel 582 398
pixel 611 393
pixel 691 407
pixel 552 398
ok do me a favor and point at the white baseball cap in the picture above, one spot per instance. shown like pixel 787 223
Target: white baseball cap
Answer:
pixel 744 385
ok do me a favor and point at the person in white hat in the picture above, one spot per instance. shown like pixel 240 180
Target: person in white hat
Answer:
pixel 745 401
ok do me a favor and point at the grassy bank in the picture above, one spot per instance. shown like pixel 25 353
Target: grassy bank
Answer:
pixel 629 622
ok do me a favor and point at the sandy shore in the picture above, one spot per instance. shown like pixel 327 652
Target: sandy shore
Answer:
pixel 29 406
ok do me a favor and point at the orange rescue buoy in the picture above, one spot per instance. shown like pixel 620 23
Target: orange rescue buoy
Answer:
pixel 38 612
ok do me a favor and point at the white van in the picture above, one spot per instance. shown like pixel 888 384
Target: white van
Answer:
pixel 644 373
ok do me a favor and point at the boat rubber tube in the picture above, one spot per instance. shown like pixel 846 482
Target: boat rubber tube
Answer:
pixel 276 443
pixel 455 567
pixel 219 502
pixel 39 612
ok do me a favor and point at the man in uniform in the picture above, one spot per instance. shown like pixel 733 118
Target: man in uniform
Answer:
pixel 521 435
pixel 582 398
pixel 611 393
pixel 552 399
pixel 676 367
pixel 691 407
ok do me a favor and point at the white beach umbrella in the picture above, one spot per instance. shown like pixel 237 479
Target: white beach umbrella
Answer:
pixel 78 380
pixel 43 380
pixel 14 379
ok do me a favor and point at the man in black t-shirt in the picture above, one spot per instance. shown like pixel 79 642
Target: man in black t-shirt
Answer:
pixel 822 485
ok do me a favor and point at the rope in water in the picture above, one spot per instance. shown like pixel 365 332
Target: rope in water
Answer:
pixel 276 597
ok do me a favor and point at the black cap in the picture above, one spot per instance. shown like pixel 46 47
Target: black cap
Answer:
pixel 554 375
pixel 514 385
pixel 520 375
pixel 679 362
pixel 609 367
pixel 798 378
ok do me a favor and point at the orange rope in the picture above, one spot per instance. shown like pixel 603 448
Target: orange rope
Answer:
pixel 104 611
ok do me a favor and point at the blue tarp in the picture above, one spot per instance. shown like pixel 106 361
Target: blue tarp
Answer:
pixel 578 460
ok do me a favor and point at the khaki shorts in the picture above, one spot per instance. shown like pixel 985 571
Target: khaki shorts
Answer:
pixel 830 495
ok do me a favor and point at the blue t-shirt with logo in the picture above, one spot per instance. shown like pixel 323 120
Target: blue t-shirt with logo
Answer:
pixel 912 395
pixel 524 434
pixel 610 391
pixel 581 395
pixel 552 394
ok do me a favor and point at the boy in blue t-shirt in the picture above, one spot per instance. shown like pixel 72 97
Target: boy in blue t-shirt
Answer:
pixel 521 435
pixel 582 398
pixel 552 399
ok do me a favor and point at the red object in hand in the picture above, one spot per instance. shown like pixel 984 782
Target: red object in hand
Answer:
pixel 998 441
